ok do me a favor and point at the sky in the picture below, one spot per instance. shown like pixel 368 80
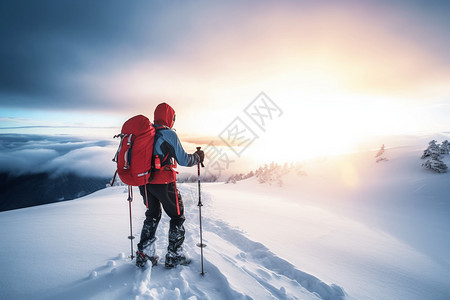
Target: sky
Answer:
pixel 333 72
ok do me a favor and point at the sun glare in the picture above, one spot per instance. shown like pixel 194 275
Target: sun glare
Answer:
pixel 328 125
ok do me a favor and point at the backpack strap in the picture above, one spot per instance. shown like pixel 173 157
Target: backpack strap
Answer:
pixel 158 129
pixel 127 155
pixel 121 135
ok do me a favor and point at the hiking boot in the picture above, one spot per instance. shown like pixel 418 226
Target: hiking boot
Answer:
pixel 148 232
pixel 175 259
pixel 176 238
pixel 142 258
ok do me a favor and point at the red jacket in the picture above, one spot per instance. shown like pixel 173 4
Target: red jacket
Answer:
pixel 168 147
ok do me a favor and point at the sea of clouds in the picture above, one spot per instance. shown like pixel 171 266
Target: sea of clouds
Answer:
pixel 22 154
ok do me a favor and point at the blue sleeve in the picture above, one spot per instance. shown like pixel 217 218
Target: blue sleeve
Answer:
pixel 172 142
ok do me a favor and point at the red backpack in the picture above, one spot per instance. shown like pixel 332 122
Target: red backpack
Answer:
pixel 134 155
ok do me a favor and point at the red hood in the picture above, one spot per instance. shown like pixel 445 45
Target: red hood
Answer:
pixel 164 115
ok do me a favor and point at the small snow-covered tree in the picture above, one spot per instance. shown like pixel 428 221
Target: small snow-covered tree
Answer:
pixel 433 152
pixel 380 152
pixel 432 148
pixel 299 170
pixel 435 164
pixel 262 174
pixel 235 178
pixel 270 174
pixel 444 147
pixel 379 155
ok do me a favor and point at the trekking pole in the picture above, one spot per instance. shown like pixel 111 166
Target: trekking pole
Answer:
pixel 200 204
pixel 131 237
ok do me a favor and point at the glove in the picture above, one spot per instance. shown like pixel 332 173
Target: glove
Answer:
pixel 201 154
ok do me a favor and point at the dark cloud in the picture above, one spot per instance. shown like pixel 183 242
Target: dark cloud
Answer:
pixel 47 46
pixel 33 154
pixel 55 53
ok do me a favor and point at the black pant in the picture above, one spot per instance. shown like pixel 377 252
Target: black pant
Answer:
pixel 170 198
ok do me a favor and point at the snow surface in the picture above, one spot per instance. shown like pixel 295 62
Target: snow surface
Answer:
pixel 351 228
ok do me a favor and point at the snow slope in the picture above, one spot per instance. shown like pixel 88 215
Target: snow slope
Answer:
pixel 78 250
pixel 379 230
pixel 351 228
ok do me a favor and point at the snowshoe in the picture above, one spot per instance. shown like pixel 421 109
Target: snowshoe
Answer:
pixel 174 259
pixel 142 258
pixel 145 253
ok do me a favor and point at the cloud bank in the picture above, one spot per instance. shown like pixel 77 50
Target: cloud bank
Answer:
pixel 32 154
